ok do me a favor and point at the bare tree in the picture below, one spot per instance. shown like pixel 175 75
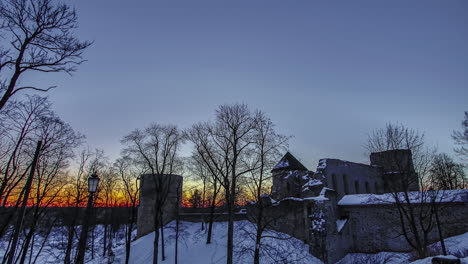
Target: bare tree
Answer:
pixel 21 123
pixel 76 193
pixel 40 38
pixel 268 148
pixel 224 147
pixel 59 140
pixel 27 122
pixel 206 171
pixel 129 175
pixel 402 171
pixel 446 174
pixel 107 195
pixel 155 149
pixel 461 139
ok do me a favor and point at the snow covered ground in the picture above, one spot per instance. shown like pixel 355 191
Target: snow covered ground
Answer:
pixel 457 246
pixel 193 248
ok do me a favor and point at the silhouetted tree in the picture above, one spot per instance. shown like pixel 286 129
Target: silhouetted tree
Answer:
pixel 129 174
pixel 195 199
pixel 224 146
pixel 414 208
pixel 461 139
pixel 446 174
pixel 210 179
pixel 40 38
pixel 155 149
pixel 268 148
pixel 76 193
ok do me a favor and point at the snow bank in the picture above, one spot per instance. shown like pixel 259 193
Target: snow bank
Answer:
pixel 194 250
pixel 378 258
pixel 457 247
pixel 414 197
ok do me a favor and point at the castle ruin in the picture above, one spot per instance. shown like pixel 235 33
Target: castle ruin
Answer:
pixel 346 207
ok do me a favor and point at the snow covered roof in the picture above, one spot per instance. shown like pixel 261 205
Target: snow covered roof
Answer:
pixel 289 162
pixel 442 196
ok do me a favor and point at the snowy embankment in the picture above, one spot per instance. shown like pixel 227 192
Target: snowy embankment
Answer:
pixel 457 246
pixel 193 248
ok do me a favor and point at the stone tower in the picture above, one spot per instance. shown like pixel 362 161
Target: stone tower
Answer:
pixel 289 175
pixel 173 184
pixel 397 168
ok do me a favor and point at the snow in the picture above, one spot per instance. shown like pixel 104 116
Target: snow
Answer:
pixel 378 258
pixel 429 259
pixel 322 164
pixel 193 248
pixel 324 190
pixel 312 182
pixel 415 197
pixel 282 164
pixel 54 247
pixel 318 221
pixel 296 173
pixel 319 198
pixel 340 224
pixel 457 247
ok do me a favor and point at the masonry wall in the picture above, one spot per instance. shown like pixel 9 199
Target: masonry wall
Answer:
pixel 288 217
pixel 173 183
pixel 397 169
pixel 351 178
pixel 376 228
pixel 288 183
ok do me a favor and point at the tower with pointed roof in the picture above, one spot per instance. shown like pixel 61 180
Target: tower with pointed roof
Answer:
pixel 289 175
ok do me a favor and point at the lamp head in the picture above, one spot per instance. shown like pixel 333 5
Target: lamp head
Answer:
pixel 93 182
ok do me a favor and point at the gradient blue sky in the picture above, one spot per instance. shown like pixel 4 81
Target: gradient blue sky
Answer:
pixel 327 72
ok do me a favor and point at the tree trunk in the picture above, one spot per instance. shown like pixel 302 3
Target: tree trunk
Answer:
pixel 163 254
pixel 27 242
pixel 230 237
pixel 156 233
pixel 129 234
pixel 210 224
pixel 105 239
pixel 155 246
pixel 258 237
pixel 439 228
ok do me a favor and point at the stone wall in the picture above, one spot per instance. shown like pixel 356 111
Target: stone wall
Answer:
pixel 288 216
pixel 397 169
pixel 377 228
pixel 351 178
pixel 171 183
pixel 288 183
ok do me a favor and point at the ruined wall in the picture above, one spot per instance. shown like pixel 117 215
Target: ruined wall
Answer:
pixel 349 177
pixel 288 216
pixel 397 169
pixel 287 183
pixel 377 228
pixel 173 183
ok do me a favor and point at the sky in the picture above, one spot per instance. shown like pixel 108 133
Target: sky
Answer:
pixel 326 72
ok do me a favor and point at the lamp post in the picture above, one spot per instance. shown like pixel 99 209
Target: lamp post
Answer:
pixel 92 187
